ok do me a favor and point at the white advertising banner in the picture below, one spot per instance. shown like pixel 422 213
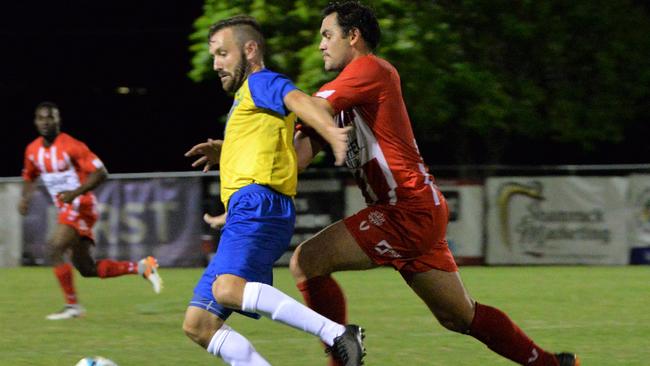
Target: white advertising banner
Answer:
pixel 11 238
pixel 557 220
pixel 466 213
pixel 639 220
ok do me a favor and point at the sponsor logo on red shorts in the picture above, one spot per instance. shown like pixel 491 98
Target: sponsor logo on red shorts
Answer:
pixel 376 218
pixel 385 249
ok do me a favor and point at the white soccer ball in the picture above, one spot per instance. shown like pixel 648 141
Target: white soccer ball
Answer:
pixel 95 361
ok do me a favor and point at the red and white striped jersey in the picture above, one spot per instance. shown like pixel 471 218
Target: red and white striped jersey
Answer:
pixel 63 166
pixel 382 151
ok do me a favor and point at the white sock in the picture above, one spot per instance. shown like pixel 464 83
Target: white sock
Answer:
pixel 273 303
pixel 234 348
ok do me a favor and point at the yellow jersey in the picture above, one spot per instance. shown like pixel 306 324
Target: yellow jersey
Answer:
pixel 258 139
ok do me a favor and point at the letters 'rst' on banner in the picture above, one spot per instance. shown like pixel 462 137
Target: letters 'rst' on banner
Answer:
pixel 557 220
pixel 137 218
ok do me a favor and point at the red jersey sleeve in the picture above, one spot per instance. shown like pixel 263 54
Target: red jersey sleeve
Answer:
pixel 30 170
pixel 85 159
pixel 359 83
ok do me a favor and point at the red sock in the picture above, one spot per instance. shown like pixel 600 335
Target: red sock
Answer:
pixel 325 296
pixel 493 327
pixel 108 268
pixel 64 274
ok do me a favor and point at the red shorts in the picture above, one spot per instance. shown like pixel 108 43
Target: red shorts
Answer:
pixel 412 240
pixel 81 218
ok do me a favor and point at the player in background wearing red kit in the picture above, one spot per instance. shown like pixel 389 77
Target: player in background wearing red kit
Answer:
pixel 405 222
pixel 70 171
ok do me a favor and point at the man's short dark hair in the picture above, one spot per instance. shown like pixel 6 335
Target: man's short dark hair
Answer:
pixel 353 14
pixel 246 27
pixel 48 105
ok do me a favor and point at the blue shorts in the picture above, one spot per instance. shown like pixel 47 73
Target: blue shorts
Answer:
pixel 258 230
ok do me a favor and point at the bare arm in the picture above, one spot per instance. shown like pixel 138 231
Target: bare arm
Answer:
pixel 94 180
pixel 317 113
pixel 26 197
pixel 306 149
pixel 209 151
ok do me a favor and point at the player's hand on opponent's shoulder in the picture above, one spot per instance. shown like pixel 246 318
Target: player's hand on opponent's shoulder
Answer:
pixel 210 152
pixel 338 139
pixel 215 222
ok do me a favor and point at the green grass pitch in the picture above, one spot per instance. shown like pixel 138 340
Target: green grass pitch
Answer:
pixel 602 313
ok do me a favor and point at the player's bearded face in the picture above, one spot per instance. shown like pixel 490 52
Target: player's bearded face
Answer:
pixel 235 78
pixel 230 61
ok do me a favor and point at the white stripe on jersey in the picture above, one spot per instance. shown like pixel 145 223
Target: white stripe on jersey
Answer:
pixel 55 179
pixel 429 182
pixel 325 93
pixel 66 157
pixel 98 163
pixel 365 134
pixel 368 188
pixel 41 159
pixel 75 203
pixel 53 160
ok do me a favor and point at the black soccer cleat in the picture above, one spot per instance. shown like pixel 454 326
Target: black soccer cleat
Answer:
pixel 348 347
pixel 567 359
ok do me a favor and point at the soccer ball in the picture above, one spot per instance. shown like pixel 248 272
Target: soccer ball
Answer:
pixel 95 361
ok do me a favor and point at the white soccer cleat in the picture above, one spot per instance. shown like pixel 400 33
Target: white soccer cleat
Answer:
pixel 148 268
pixel 70 311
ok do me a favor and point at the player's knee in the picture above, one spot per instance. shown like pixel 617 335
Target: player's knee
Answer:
pixel 454 322
pixel 86 270
pixel 194 332
pixel 191 331
pixel 294 266
pixel 454 325
pixel 228 296
pixel 56 250
pixel 303 266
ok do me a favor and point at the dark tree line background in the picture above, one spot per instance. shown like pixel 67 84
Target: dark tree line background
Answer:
pixel 489 81
pixel 486 81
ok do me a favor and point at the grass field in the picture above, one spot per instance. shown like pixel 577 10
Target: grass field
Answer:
pixel 603 313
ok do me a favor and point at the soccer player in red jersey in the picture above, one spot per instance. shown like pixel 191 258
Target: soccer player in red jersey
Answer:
pixel 405 222
pixel 70 171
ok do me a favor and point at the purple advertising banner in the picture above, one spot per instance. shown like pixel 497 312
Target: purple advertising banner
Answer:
pixel 137 218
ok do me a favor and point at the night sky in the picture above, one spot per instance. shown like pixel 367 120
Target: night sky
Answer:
pixel 78 53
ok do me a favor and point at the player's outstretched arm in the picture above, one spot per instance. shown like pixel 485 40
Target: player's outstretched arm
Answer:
pixel 209 152
pixel 94 180
pixel 318 115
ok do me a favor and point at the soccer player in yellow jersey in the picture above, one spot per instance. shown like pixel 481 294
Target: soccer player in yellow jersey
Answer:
pixel 258 180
